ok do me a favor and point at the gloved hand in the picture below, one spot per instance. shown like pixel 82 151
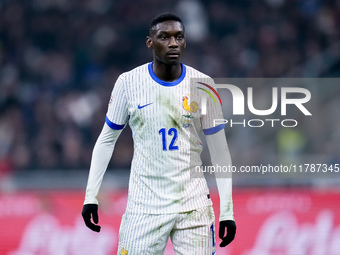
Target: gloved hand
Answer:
pixel 231 231
pixel 88 210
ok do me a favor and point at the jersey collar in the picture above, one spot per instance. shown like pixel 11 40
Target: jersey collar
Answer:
pixel 166 83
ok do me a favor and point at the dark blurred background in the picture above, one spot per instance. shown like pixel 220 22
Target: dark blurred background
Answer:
pixel 59 60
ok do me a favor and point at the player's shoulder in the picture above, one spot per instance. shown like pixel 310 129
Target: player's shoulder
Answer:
pixel 194 73
pixel 139 70
pixel 199 77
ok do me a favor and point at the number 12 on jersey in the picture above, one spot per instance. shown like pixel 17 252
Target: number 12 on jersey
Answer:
pixel 172 132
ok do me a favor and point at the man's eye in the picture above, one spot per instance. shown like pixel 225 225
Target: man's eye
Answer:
pixel 180 37
pixel 163 37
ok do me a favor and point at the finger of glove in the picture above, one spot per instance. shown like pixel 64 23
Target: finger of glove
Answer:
pixel 93 227
pixel 221 231
pixel 95 217
pixel 224 243
pixel 228 239
pixel 87 219
pixel 86 216
pixel 231 231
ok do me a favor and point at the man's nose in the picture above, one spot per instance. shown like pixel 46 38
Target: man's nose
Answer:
pixel 173 43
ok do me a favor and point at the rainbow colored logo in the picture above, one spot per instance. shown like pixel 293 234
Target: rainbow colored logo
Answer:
pixel 209 93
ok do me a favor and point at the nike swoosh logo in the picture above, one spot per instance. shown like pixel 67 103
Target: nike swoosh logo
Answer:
pixel 142 106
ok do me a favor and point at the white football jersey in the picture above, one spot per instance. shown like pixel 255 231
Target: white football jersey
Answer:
pixel 165 119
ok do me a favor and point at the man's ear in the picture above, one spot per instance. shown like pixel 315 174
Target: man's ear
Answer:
pixel 148 42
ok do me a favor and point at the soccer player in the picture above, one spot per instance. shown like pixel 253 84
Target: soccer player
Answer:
pixel 164 112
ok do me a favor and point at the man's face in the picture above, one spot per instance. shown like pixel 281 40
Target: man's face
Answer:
pixel 167 42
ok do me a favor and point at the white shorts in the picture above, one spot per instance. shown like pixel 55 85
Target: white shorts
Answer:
pixel 190 232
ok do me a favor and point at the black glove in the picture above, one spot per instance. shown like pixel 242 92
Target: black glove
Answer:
pixel 88 210
pixel 231 231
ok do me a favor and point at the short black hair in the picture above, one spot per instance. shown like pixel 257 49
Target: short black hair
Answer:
pixel 164 17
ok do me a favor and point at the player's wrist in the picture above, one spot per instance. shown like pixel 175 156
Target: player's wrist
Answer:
pixel 224 217
pixel 91 201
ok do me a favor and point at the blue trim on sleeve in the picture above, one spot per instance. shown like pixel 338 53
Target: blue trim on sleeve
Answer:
pixel 113 125
pixel 213 130
pixel 166 83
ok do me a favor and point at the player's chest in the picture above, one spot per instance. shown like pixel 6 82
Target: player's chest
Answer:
pixel 174 106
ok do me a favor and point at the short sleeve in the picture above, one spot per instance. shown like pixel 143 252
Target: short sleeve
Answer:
pixel 213 109
pixel 117 112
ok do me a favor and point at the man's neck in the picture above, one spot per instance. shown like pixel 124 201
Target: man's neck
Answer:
pixel 165 72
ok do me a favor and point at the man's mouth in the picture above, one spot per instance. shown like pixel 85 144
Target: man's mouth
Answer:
pixel 173 54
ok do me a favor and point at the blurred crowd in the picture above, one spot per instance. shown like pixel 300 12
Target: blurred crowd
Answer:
pixel 59 60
